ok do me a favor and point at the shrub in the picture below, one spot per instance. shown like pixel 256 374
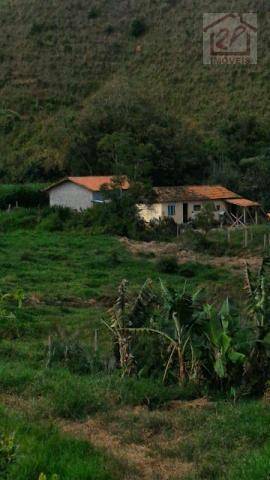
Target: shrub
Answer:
pixel 18 218
pixel 24 196
pixel 76 397
pixel 52 223
pixel 118 216
pixel 137 27
pixel 160 230
pixel 7 453
pixel 194 240
pixel 44 477
pixel 153 393
pixel 205 220
pixel 93 13
pixel 167 264
pixel 75 355
pixel 109 29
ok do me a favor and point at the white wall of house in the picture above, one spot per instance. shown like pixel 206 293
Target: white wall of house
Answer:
pixel 72 196
pixel 220 206
pixel 161 210
pixel 150 212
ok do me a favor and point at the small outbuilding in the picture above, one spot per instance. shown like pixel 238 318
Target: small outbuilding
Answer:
pixel 81 193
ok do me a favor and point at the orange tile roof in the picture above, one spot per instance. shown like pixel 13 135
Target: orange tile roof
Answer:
pixel 211 192
pixel 92 183
pixel 194 192
pixel 243 202
pixel 95 183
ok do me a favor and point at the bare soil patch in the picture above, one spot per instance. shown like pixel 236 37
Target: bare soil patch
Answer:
pixel 141 460
pixel 184 256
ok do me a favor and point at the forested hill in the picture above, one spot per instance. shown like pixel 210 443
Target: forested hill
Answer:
pixel 98 86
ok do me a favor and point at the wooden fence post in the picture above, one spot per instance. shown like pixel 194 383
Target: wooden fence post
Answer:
pixel 96 341
pixel 245 237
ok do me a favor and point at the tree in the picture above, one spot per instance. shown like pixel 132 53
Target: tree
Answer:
pixel 255 178
pixel 126 155
pixel 205 219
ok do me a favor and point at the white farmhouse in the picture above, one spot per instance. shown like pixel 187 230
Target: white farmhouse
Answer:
pixel 183 203
pixel 80 193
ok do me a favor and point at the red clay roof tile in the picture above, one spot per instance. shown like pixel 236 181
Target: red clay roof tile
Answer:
pixel 92 183
pixel 194 192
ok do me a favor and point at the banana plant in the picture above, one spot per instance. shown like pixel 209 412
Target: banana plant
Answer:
pixel 219 341
pixel 257 286
pixel 177 313
pixel 124 315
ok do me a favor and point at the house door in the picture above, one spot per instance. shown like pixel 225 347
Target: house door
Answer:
pixel 185 212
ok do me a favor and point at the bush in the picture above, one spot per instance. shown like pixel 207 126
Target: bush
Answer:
pixel 18 218
pixel 7 453
pixel 24 196
pixel 78 357
pixel 205 220
pixel 167 264
pixel 58 218
pixel 52 223
pixel 194 240
pixel 159 230
pixel 137 27
pixel 153 393
pixel 93 13
pixel 118 216
pixel 109 29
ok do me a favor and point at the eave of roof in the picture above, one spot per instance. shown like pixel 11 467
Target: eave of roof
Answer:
pixel 243 202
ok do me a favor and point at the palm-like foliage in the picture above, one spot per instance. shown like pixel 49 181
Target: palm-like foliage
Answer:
pixel 125 314
pixel 258 287
pixel 220 343
pixel 175 328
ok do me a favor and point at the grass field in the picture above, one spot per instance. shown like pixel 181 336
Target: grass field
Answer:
pixel 70 279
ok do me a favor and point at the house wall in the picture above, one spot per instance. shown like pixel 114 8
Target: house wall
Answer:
pixel 192 213
pixel 70 195
pixel 160 210
pixel 178 217
pixel 150 212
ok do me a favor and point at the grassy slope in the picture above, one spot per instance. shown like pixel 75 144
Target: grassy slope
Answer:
pixel 57 61
pixel 55 267
pixel 71 458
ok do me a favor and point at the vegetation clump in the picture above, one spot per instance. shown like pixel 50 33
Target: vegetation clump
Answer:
pixel 204 344
pixel 167 264
pixel 8 452
pixel 93 12
pixel 137 27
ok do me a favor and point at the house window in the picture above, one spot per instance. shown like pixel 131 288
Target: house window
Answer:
pixel 197 208
pixel 171 210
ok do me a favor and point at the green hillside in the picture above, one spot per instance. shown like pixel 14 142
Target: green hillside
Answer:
pixel 75 71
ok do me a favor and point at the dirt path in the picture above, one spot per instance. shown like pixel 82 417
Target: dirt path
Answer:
pixel 140 460
pixel 184 256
